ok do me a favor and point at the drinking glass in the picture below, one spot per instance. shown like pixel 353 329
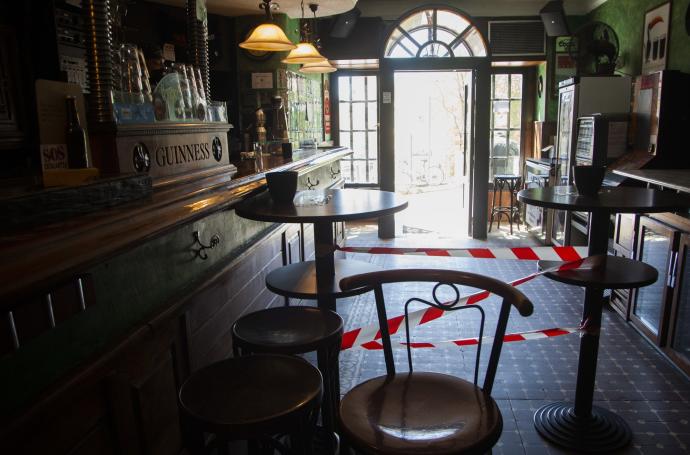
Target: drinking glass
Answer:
pixel 132 86
pixel 185 88
pixel 145 78
pixel 202 103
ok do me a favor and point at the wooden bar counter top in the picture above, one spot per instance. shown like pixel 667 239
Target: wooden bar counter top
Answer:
pixel 37 254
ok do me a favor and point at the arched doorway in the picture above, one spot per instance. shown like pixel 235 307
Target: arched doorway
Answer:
pixel 436 49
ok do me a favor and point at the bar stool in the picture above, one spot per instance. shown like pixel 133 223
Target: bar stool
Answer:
pixel 296 330
pixel 511 183
pixel 251 398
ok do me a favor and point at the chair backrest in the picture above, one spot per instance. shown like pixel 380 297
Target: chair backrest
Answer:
pixel 510 295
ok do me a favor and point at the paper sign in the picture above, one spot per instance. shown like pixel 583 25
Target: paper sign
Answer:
pixel 54 156
pixel 169 52
pixel 387 97
pixel 262 80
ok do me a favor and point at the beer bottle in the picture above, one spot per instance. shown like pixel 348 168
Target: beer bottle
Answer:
pixel 77 148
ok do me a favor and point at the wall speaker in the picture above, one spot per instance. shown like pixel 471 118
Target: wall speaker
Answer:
pixel 345 23
pixel 553 17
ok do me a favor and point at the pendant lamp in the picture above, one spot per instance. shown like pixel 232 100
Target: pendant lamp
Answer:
pixel 306 52
pixel 268 36
pixel 319 67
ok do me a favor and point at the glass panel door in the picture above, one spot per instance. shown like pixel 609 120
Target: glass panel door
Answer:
pixel 656 246
pixel 680 342
pixel 358 127
pixel 506 124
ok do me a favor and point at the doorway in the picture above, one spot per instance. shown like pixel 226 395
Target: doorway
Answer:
pixel 426 40
pixel 433 127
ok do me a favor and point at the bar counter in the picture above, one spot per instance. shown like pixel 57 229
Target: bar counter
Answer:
pixel 37 254
pixel 676 179
pixel 122 303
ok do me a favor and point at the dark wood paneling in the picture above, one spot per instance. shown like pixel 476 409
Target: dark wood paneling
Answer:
pixel 124 399
pixel 225 285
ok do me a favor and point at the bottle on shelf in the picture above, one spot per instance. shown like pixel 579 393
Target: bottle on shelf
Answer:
pixel 77 143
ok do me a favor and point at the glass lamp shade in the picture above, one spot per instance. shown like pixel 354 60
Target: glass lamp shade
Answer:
pixel 319 67
pixel 304 53
pixel 268 37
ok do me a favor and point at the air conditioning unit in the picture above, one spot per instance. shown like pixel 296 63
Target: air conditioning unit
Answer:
pixel 517 38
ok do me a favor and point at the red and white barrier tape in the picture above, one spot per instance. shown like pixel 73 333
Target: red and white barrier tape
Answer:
pixel 369 333
pixel 508 338
pixel 548 253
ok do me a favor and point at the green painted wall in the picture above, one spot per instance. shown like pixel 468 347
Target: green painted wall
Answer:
pixel 626 17
pixel 248 65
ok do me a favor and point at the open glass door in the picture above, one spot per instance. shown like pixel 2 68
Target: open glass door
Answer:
pixel 432 143
pixel 434 42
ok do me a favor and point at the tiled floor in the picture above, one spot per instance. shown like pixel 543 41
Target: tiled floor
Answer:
pixel 633 379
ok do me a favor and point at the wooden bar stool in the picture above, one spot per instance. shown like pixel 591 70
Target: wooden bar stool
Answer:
pixel 252 398
pixel 297 330
pixel 511 183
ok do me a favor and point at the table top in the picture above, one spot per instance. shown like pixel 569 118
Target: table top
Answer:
pixel 313 206
pixel 618 199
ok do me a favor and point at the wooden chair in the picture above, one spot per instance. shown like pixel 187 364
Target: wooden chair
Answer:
pixel 423 412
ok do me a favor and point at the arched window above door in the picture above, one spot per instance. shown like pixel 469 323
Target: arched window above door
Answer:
pixel 434 32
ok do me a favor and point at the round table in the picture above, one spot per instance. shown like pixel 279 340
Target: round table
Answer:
pixel 318 279
pixel 581 426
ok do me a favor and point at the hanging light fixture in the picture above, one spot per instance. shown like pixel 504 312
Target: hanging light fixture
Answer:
pixel 305 52
pixel 268 36
pixel 323 66
pixel 319 67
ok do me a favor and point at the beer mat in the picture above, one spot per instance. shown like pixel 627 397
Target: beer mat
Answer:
pixel 43 206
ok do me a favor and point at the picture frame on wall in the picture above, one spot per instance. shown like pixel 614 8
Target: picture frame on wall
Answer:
pixel 655 38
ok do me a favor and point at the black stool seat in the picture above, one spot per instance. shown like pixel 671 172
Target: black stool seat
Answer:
pixel 287 330
pixel 510 183
pixel 604 272
pixel 252 397
pixel 297 330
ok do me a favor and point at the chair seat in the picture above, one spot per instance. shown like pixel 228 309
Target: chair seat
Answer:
pixel 288 330
pixel 251 396
pixel 420 413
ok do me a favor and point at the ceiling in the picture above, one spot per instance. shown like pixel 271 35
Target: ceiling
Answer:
pixel 392 9
pixel 290 7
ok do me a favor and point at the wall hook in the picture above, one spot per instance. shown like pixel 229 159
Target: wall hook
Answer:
pixel 310 184
pixel 201 251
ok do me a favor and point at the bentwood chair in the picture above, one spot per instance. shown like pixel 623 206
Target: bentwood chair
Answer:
pixel 415 412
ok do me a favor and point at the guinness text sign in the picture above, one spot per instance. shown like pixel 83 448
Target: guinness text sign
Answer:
pixel 167 151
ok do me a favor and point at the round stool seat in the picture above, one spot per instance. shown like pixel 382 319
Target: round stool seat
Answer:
pixel 506 176
pixel 252 396
pixel 424 413
pixel 287 330
pixel 604 272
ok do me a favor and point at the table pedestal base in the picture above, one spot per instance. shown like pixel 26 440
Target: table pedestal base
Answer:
pixel 602 432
